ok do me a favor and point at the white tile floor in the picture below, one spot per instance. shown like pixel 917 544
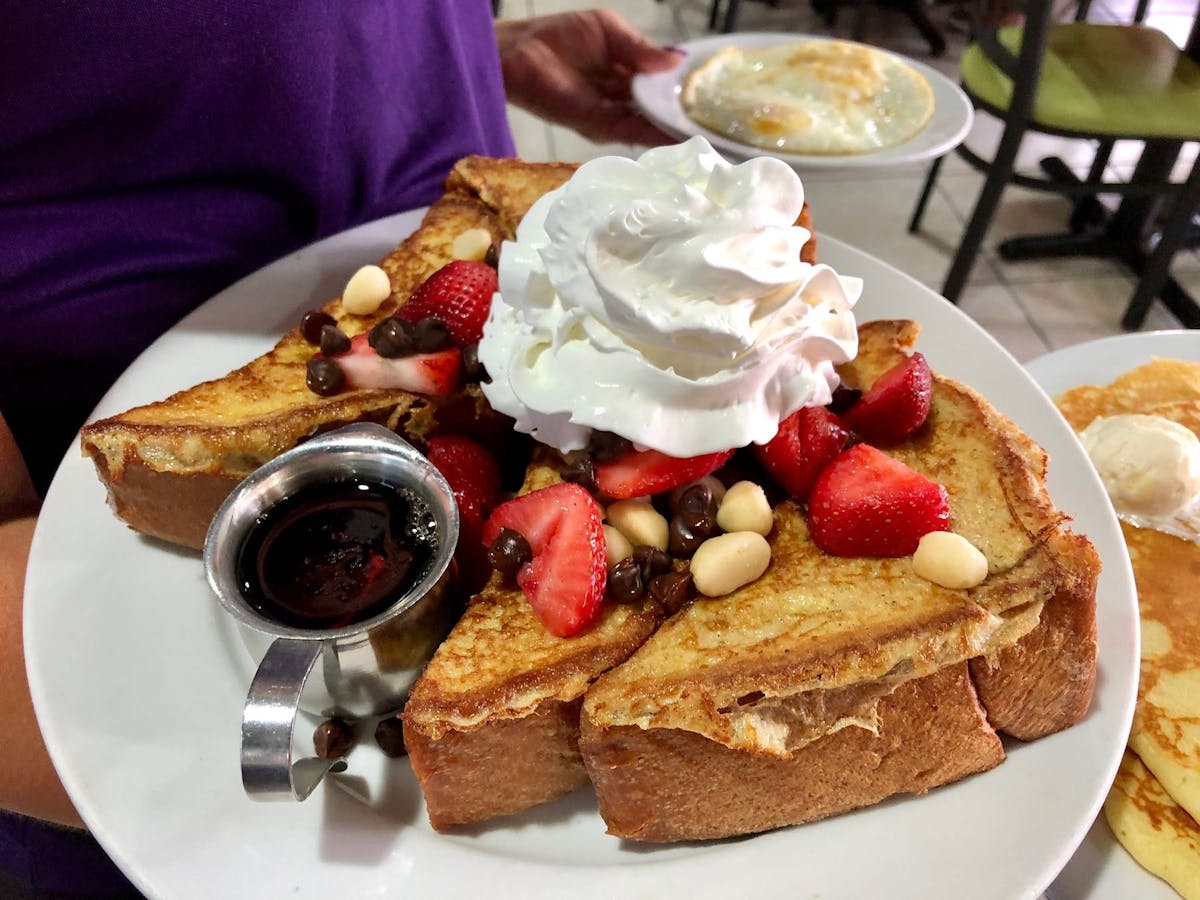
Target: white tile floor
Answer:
pixel 1031 307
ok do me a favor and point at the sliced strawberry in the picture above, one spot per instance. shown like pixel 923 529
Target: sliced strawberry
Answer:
pixel 806 442
pixel 896 405
pixel 460 294
pixel 641 473
pixel 423 373
pixel 867 503
pixel 565 579
pixel 475 480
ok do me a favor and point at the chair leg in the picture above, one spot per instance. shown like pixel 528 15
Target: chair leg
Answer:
pixel 1153 276
pixel 981 217
pixel 714 14
pixel 858 31
pixel 731 14
pixel 915 11
pixel 1089 210
pixel 923 200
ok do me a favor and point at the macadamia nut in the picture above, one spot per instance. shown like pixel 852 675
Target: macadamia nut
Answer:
pixel 616 546
pixel 745 508
pixel 641 523
pixel 472 244
pixel 950 560
pixel 723 564
pixel 366 290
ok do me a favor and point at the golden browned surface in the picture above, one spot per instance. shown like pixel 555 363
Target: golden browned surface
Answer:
pixel 1166 725
pixel 1156 831
pixel 224 429
pixel 667 784
pixel 499 662
pixel 504 768
pixel 756 670
pixel 1140 390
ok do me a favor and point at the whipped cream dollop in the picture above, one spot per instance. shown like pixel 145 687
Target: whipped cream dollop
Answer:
pixel 1150 467
pixel 664 299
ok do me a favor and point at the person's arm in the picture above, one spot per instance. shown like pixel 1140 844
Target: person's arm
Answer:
pixel 28 782
pixel 575 69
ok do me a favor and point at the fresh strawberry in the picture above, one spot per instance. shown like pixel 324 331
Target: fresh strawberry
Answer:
pixel 565 579
pixel 804 444
pixel 422 373
pixel 896 405
pixel 475 480
pixel 641 473
pixel 867 503
pixel 460 294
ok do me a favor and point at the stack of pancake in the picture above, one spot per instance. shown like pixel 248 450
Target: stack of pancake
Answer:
pixel 1154 805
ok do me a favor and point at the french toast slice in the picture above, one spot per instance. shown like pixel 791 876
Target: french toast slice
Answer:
pixel 825 662
pixel 502 695
pixel 168 465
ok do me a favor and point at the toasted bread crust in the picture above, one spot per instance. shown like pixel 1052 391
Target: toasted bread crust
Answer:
pixel 504 767
pixel 169 506
pixel 672 785
pixel 1044 682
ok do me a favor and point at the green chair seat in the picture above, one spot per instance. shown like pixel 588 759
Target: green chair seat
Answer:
pixel 1103 80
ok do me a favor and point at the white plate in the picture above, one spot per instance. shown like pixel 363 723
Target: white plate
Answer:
pixel 1101 868
pixel 657 96
pixel 138 681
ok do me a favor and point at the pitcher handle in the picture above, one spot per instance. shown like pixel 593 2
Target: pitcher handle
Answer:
pixel 269 720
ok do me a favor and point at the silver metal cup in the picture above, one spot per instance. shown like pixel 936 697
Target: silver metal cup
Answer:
pixel 365 668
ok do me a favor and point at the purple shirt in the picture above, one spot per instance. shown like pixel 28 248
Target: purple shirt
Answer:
pixel 154 151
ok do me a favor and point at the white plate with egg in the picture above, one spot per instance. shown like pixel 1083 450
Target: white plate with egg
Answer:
pixel 1100 868
pixel 660 97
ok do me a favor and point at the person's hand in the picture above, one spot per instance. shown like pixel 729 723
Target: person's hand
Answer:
pixel 575 69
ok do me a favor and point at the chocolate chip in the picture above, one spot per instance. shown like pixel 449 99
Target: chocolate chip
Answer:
pixel 582 471
pixel 652 561
pixel 697 498
pixel 312 323
pixel 473 370
pixel 625 583
pixel 389 735
pixel 492 256
pixel 333 738
pixel 673 590
pixel 704 523
pixel 324 376
pixel 605 446
pixel 843 399
pixel 431 335
pixel 392 338
pixel 508 552
pixel 334 341
pixel 688 531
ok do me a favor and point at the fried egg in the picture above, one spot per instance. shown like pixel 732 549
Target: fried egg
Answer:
pixel 815 97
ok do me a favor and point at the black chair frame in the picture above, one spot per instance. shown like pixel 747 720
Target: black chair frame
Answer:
pixel 1124 234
